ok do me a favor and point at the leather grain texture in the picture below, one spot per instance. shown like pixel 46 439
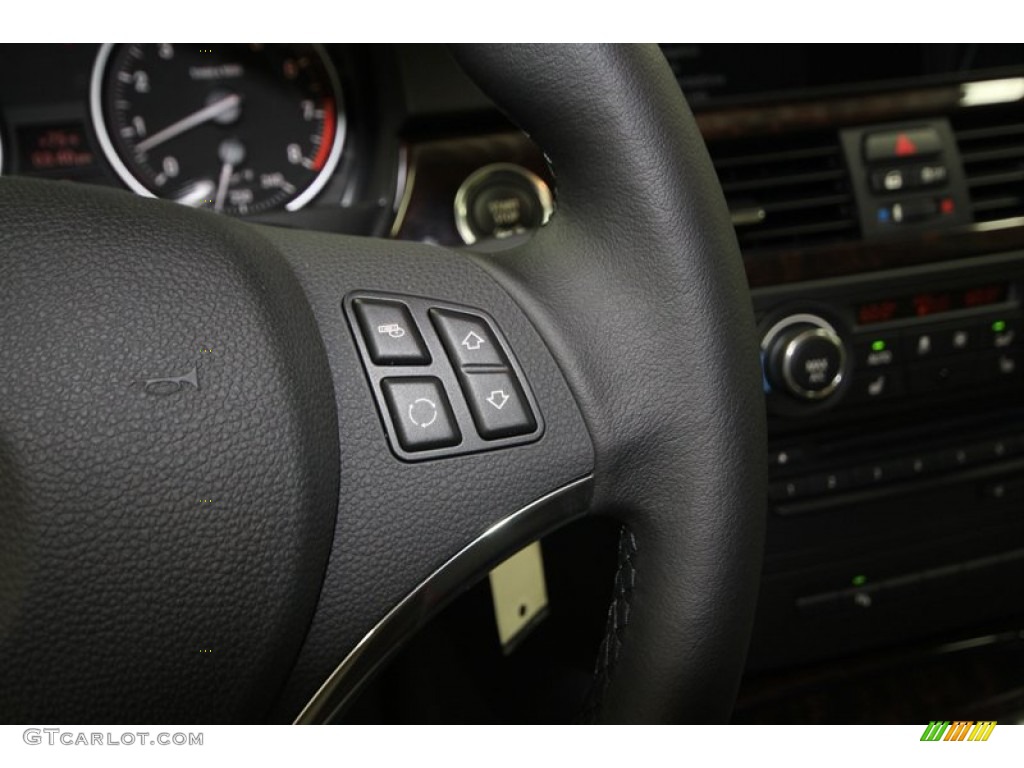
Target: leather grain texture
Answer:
pixel 638 287
pixel 163 543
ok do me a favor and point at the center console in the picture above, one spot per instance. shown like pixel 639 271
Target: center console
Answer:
pixel 896 421
pixel 894 381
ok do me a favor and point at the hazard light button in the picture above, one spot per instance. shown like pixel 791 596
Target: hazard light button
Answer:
pixel 901 145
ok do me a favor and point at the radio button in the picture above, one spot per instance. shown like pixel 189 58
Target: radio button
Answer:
pixel 783 490
pixel 833 482
pixel 1004 490
pixel 873 474
pixel 784 458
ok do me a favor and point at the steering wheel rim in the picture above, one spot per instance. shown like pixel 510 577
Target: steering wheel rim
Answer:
pixel 629 314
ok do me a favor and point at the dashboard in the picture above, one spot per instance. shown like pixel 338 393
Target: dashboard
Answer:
pixel 877 194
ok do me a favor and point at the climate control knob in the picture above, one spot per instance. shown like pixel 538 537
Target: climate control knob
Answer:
pixel 804 357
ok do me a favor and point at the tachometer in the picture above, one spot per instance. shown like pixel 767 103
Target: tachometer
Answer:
pixel 238 129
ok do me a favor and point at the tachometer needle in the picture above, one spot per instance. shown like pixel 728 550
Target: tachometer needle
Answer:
pixel 222 186
pixel 187 123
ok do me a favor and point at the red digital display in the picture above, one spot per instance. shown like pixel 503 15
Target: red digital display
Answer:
pixel 877 312
pixel 930 303
pixel 53 148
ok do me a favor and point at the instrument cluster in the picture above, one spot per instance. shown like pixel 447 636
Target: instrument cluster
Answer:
pixel 288 134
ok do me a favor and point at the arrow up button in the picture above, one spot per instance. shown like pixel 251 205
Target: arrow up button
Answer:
pixel 467 339
pixel 497 404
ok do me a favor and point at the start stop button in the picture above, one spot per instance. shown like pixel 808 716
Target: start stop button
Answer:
pixel 501 200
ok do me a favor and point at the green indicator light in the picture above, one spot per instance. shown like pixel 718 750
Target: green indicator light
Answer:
pixel 860 580
pixel 999 326
pixel 877 346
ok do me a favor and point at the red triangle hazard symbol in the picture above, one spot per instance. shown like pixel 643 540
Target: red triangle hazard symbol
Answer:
pixel 904 146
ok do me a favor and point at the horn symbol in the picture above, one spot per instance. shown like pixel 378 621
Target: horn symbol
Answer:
pixel 172 384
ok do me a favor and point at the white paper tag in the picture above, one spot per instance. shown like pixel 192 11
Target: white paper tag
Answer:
pixel 520 595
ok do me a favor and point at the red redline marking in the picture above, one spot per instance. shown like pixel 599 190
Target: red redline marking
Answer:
pixel 330 125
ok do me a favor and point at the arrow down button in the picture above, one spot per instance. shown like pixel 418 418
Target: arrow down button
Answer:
pixel 497 403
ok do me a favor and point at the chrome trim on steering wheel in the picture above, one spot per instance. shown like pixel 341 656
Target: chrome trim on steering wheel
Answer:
pixel 435 592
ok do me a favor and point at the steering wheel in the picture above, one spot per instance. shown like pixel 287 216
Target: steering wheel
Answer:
pixel 208 511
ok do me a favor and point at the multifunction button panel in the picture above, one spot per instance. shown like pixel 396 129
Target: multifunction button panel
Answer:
pixel 906 177
pixel 443 375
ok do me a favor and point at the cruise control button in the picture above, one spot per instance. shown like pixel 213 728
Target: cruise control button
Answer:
pixel 390 333
pixel 467 339
pixel 497 403
pixel 420 413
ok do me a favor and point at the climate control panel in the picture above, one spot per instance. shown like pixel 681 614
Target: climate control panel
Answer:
pixel 914 347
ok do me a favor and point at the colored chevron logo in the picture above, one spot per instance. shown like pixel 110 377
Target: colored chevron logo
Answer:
pixel 958 730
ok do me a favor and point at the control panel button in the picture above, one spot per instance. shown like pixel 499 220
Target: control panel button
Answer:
pixel 1002 366
pixel 1007 489
pixel 804 358
pixel 954 340
pixel 420 412
pixel 389 332
pixel 879 351
pixel 782 490
pixel 467 339
pixel 909 143
pixel 942 341
pixel 921 344
pixel 501 200
pixel 497 403
pixel 783 458
pixel 915 210
pixel 1001 334
pixel 812 361
pixel 909 177
pixel 873 474
pixel 830 482
pixel 876 385
pixel 821 484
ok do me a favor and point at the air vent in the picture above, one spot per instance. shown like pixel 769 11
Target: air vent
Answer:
pixel 991 141
pixel 786 191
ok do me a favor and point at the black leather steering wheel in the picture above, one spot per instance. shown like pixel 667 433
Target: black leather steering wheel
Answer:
pixel 203 520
